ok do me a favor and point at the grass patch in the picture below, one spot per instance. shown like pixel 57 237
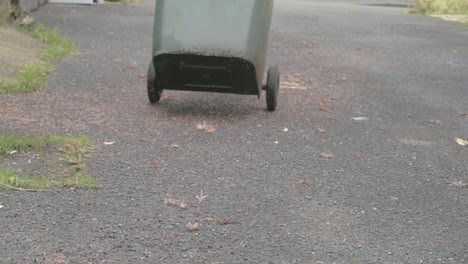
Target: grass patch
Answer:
pixel 10 144
pixel 9 180
pixel 57 46
pixel 446 7
pixel 64 156
pixel 30 78
pixel 33 77
pixel 7 14
pixel 81 179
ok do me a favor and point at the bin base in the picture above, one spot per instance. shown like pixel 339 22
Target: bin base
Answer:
pixel 194 72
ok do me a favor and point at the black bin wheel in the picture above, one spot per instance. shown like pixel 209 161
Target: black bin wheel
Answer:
pixel 154 89
pixel 272 87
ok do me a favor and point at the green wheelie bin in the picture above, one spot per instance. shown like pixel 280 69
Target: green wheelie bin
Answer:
pixel 212 46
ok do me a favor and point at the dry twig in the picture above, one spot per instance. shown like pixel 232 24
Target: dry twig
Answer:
pixel 21 189
pixel 327 155
pixel 193 227
pixel 206 128
pixel 176 203
pixel 460 184
pixel 201 197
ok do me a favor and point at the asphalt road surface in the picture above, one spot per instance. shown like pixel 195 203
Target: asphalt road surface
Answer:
pixel 357 165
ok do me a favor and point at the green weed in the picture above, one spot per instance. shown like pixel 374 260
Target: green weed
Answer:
pixel 73 153
pixel 33 77
pixel 30 78
pixel 8 13
pixel 11 143
pixel 448 7
pixel 57 46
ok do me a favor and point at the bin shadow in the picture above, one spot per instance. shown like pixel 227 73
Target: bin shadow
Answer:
pixel 210 105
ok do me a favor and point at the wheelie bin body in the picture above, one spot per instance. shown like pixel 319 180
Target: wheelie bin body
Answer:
pixel 209 45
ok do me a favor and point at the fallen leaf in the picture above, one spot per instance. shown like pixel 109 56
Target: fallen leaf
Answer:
pixel 219 221
pixel 327 155
pixel 285 129
pixel 201 126
pixel 435 121
pixel 176 203
pixel 109 143
pixel 55 258
pixel 460 184
pixel 201 197
pixel 175 146
pixel 360 118
pixel 323 107
pixel 321 130
pixel 461 142
pixel 357 155
pixel 304 182
pixel 193 227
pixel 206 128
pixel 210 130
pixel 133 66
